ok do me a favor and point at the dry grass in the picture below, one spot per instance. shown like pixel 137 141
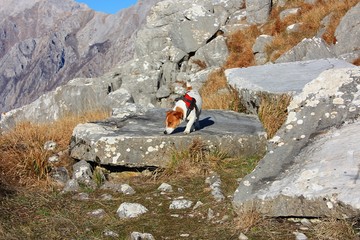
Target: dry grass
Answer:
pixel 201 64
pixel 310 17
pixel 217 94
pixel 23 159
pixel 240 45
pixel 273 112
pixel 247 219
pixel 334 229
pixel 356 62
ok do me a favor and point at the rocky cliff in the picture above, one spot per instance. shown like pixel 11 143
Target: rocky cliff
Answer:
pixel 44 44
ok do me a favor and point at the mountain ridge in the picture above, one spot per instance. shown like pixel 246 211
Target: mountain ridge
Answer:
pixel 44 44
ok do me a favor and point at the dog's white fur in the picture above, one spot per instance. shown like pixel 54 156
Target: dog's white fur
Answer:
pixel 178 114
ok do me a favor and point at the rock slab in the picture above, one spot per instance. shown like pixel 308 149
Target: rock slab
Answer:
pixel 139 141
pixel 311 167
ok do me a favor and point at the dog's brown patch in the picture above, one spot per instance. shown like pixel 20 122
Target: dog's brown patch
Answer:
pixel 174 117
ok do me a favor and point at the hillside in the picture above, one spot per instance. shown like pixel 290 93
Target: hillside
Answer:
pixel 44 44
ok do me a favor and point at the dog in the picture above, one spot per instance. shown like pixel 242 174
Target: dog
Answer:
pixel 187 108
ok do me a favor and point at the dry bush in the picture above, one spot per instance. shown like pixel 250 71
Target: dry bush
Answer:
pixel 23 159
pixel 334 229
pixel 240 45
pixel 273 112
pixel 217 94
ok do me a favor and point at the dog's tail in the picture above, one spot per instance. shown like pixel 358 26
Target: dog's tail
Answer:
pixel 188 86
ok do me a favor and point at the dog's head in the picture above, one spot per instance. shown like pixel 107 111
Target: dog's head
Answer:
pixel 173 119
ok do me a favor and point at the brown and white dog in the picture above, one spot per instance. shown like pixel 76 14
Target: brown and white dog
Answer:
pixel 187 108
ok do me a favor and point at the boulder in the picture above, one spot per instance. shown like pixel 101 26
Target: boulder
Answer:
pixel 192 33
pixel 348 32
pixel 138 141
pixel 258 11
pixel 259 48
pixel 311 168
pixel 307 49
pixel 277 78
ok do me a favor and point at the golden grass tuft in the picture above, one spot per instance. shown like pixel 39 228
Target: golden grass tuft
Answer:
pixel 240 45
pixel 217 94
pixel 23 160
pixel 273 112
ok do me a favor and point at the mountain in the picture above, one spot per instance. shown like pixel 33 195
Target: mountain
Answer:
pixel 45 43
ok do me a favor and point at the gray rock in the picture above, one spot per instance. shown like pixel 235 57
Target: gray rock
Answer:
pixel 214 182
pixel 213 54
pixel 131 210
pixel 259 48
pixel 180 204
pixel 118 98
pixel 141 236
pixel 71 186
pixel 59 175
pixel 258 11
pixel 304 171
pixel 109 233
pixel 50 145
pixel 192 33
pixel 165 187
pixel 307 49
pixel 242 236
pixel 277 78
pixel 98 213
pixel 139 141
pixel 82 171
pixel 348 32
pixel 300 236
pixel 288 12
pixel 81 196
pixel 293 28
pixel 121 188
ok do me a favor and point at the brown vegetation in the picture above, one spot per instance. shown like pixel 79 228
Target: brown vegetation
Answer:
pixel 23 159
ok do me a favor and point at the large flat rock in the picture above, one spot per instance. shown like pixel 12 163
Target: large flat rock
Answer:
pixel 278 78
pixel 138 141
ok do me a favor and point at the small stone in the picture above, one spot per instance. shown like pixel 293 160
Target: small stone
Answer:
pixel 82 196
pixel 197 205
pixel 243 237
pixel 164 187
pixel 180 204
pixel 300 236
pixel 141 236
pixel 106 197
pixel 131 210
pixel 109 233
pixel 185 235
pixel 210 214
pixel 54 159
pixel 98 213
pixel 50 146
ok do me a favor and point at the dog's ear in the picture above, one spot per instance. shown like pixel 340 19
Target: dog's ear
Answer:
pixel 178 115
pixel 168 112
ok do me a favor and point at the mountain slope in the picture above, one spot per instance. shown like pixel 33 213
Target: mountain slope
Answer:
pixel 45 43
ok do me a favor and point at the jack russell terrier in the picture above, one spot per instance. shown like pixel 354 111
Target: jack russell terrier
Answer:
pixel 187 108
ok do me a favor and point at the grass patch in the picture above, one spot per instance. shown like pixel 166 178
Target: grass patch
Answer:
pixel 273 112
pixel 23 159
pixel 217 94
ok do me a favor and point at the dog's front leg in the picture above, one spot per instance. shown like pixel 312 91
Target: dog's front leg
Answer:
pixel 189 125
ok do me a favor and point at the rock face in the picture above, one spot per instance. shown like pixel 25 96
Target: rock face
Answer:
pixel 311 168
pixel 44 44
pixel 139 141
